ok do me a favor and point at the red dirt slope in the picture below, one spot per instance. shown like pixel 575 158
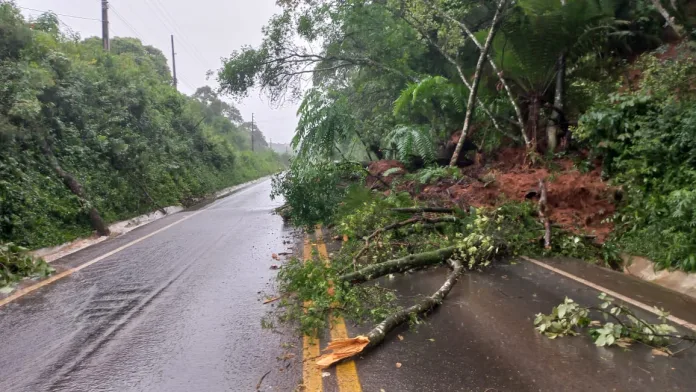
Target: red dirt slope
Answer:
pixel 578 202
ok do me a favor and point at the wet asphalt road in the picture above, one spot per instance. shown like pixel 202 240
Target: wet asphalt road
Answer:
pixel 482 338
pixel 178 311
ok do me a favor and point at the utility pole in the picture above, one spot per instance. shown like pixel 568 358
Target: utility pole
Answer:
pixel 105 25
pixel 252 132
pixel 174 63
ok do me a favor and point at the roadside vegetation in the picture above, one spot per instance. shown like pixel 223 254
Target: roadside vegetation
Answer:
pixel 89 137
pixel 443 133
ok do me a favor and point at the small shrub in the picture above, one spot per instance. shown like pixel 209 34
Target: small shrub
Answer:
pixel 16 264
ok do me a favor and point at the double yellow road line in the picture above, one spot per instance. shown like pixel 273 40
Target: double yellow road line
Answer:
pixel 346 372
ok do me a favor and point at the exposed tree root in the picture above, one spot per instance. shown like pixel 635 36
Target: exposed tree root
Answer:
pixel 346 348
pixel 399 265
pixel 543 213
pixel 398 225
pixel 416 210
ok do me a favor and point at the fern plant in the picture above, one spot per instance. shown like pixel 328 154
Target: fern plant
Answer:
pixel 435 98
pixel 421 95
pixel 324 123
pixel 432 174
pixel 406 142
pixel 538 31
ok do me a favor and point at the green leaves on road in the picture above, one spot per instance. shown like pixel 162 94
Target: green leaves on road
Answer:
pixel 625 327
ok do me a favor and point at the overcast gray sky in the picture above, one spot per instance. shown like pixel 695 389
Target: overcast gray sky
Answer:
pixel 205 31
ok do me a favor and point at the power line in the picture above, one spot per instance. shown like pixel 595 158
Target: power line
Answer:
pixel 187 84
pixel 67 27
pixel 138 35
pixel 176 27
pixel 170 26
pixel 125 22
pixel 64 15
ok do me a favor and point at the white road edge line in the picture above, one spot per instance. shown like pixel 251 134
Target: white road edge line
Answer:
pixel 169 226
pixel 611 293
pixel 23 292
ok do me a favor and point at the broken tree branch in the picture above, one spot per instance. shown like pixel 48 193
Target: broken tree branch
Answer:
pixel 399 265
pixel 543 213
pixel 669 19
pixel 346 348
pixel 411 221
pixel 398 225
pixel 258 386
pixel 376 177
pixel 416 210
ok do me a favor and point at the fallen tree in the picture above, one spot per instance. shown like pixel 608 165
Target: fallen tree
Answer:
pixel 414 210
pixel 345 348
pixel 397 243
pixel 400 265
pixel 398 225
pixel 474 250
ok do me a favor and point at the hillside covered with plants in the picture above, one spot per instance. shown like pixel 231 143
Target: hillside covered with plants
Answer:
pixel 89 137
pixel 538 127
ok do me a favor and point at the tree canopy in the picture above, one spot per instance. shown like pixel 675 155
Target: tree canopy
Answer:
pixel 423 81
pixel 87 134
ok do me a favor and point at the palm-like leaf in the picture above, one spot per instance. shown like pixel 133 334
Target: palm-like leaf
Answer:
pixel 406 142
pixel 537 31
pixel 420 96
pixel 324 123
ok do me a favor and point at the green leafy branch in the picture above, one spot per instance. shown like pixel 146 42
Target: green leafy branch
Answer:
pixel 16 263
pixel 624 329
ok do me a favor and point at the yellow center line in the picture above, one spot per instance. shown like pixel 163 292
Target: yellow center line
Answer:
pixel 346 372
pixel 311 375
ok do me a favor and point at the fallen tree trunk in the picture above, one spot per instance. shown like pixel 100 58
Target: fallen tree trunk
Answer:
pixel 97 222
pixel 416 210
pixel 399 265
pixel 399 225
pixel 154 203
pixel 346 348
pixel 407 222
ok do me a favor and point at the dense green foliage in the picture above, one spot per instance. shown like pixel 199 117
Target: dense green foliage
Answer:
pixel 647 138
pixel 401 64
pixel 480 236
pixel 16 263
pixel 391 79
pixel 114 123
pixel 315 192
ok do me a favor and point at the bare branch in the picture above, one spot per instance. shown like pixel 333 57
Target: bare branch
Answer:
pixel 465 28
pixel 477 79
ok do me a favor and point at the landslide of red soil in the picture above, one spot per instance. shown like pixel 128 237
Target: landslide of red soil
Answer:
pixel 578 202
pixel 378 168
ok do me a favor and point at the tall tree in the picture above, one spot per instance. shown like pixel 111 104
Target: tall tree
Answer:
pixel 477 79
